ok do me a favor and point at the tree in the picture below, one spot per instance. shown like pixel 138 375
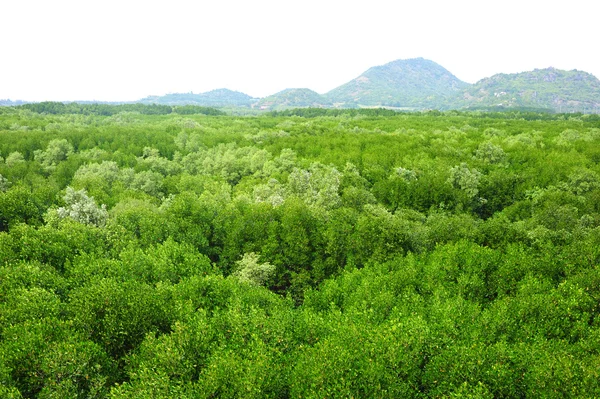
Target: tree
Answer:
pixel 4 184
pixel 148 182
pixel 14 158
pixel 318 185
pixel 82 208
pixel 490 153
pixel 465 179
pixel 583 180
pixel 58 150
pixel 252 272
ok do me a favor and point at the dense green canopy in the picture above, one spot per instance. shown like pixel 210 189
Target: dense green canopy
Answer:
pixel 308 253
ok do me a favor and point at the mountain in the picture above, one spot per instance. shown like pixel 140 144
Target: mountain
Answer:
pixel 213 98
pixel 9 103
pixel 550 88
pixel 294 98
pixel 414 83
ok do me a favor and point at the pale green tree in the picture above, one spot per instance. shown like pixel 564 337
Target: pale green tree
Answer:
pixel 14 158
pixel 465 179
pixel 152 160
pixel 82 208
pixel 583 180
pixel 107 171
pixel 318 185
pixel 272 192
pixel 4 183
pixel 490 153
pixel 250 270
pixel 58 150
pixel 406 174
pixel 149 182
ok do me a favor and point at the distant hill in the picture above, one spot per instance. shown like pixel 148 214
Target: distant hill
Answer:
pixel 213 98
pixel 550 88
pixel 293 98
pixel 414 83
pixel 9 103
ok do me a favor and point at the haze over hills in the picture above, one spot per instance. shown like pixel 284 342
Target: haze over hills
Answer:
pixel 418 84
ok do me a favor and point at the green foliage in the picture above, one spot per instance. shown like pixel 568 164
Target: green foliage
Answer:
pixel 583 181
pixel 465 179
pixel 47 358
pixel 306 253
pixel 106 172
pixel 142 219
pixel 57 108
pixel 20 205
pixel 13 159
pixel 82 209
pixel 58 150
pixel 118 315
pixel 4 184
pixel 319 185
pixel 251 272
pixel 148 182
pixel 490 153
pixel 152 160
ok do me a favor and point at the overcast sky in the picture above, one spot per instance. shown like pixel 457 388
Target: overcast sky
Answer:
pixel 127 49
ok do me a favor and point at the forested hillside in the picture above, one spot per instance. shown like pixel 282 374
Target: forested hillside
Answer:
pixel 293 98
pixel 213 98
pixel 550 88
pixel 310 253
pixel 412 84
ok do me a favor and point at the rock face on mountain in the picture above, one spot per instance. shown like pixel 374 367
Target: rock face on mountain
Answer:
pixel 550 88
pixel 414 84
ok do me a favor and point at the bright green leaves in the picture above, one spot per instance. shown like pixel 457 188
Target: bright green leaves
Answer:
pixel 118 315
pixel 22 204
pixel 349 254
pixel 48 358
pixel 360 360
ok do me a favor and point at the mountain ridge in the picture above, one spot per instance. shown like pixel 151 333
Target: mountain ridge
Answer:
pixel 411 83
pixel 563 91
pixel 295 97
pixel 421 84
pixel 213 98
pixel 416 84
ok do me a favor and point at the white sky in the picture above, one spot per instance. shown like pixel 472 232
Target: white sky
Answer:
pixel 128 49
